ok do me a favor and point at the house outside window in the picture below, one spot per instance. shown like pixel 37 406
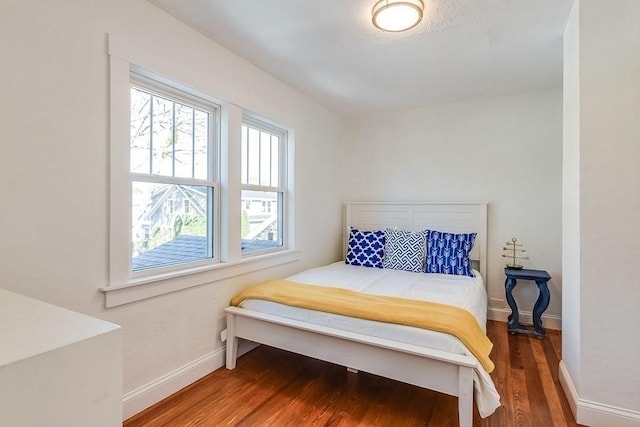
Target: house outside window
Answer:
pixel 263 184
pixel 172 146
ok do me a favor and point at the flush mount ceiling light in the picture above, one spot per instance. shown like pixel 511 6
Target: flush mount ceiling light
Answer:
pixel 397 15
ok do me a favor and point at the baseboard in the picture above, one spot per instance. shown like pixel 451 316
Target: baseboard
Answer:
pixel 549 321
pixel 153 392
pixel 569 389
pixel 160 388
pixel 595 414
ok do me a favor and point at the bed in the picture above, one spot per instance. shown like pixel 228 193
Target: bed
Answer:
pixel 441 362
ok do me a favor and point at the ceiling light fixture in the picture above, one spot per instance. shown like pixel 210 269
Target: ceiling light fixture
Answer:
pixel 397 15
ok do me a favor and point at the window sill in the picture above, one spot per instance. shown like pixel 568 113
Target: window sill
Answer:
pixel 148 287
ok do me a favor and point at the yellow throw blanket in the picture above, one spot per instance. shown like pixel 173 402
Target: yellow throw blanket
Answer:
pixel 422 314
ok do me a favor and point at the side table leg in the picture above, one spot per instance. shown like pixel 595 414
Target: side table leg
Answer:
pixel 514 319
pixel 541 305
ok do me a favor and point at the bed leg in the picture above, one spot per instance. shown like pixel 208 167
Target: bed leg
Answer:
pixel 465 396
pixel 232 341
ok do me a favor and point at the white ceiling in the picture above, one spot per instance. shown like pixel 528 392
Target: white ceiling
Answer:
pixel 329 50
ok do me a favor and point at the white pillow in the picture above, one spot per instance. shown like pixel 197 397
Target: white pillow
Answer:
pixel 405 250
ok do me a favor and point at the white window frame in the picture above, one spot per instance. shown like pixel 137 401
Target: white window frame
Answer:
pixel 157 86
pixel 261 124
pixel 121 286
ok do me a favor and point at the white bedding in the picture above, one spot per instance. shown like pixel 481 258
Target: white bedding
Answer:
pixel 465 292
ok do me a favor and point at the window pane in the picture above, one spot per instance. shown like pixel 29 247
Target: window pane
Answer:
pixel 245 149
pixel 168 138
pixel 253 152
pixel 184 141
pixel 260 157
pixel 162 136
pixel 169 224
pixel 265 159
pixel 261 219
pixel 201 146
pixel 275 144
pixel 140 132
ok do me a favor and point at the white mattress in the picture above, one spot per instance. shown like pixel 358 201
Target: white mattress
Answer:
pixel 465 292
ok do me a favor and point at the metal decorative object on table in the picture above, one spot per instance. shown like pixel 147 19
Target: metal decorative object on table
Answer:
pixel 515 248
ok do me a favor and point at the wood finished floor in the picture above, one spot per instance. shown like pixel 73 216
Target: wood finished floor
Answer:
pixel 271 387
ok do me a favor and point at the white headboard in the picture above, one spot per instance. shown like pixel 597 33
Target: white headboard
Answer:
pixel 451 217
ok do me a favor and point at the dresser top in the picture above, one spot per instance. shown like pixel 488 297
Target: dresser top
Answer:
pixel 29 327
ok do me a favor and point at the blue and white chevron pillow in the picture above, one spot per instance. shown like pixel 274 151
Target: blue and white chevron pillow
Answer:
pixel 448 253
pixel 365 248
pixel 404 250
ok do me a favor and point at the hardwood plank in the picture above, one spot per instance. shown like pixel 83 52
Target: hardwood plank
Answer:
pixel 551 398
pixel 227 387
pixel 539 407
pixel 553 360
pixel 253 390
pixel 501 374
pixel 271 387
pixel 554 338
pixel 520 395
pixel 307 399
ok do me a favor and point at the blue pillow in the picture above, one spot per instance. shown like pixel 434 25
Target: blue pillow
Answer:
pixel 365 248
pixel 404 250
pixel 448 253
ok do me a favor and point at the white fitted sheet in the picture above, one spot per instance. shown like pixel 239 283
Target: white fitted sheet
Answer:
pixel 461 291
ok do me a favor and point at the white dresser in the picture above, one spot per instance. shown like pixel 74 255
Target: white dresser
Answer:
pixel 58 368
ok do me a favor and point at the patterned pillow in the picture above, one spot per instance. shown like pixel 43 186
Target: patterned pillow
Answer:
pixel 404 250
pixel 448 253
pixel 366 248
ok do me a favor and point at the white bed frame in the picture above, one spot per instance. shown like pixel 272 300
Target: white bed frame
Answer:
pixel 435 370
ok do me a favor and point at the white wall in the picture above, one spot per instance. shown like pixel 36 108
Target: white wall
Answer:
pixel 571 197
pixel 505 151
pixel 606 374
pixel 54 168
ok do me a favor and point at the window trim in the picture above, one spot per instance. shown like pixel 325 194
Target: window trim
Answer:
pixel 122 289
pixel 164 283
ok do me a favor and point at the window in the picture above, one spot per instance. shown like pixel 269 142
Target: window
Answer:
pixel 169 156
pixel 172 147
pixel 263 186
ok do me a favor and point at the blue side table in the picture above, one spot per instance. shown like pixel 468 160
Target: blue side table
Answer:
pixel 541 278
